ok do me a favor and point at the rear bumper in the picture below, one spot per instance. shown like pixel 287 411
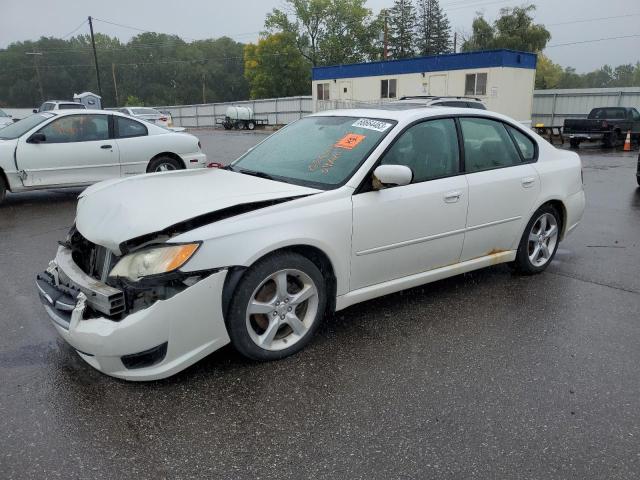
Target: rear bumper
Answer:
pixel 179 331
pixel 195 160
pixel 575 205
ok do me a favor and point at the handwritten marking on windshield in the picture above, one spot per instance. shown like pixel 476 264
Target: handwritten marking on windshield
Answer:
pixel 350 141
pixel 325 160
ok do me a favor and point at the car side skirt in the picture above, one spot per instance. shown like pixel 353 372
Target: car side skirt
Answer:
pixel 392 286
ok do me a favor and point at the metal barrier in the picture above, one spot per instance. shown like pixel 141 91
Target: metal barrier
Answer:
pixel 278 111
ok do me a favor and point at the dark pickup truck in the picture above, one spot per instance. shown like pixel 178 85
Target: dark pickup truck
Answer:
pixel 608 125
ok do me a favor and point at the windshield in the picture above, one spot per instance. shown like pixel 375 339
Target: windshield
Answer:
pixel 21 127
pixel 144 111
pixel 321 152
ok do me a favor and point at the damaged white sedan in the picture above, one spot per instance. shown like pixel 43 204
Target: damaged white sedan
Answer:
pixel 335 209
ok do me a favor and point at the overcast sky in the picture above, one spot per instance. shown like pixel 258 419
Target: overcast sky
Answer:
pixel 243 19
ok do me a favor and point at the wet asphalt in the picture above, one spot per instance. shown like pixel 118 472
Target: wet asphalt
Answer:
pixel 485 375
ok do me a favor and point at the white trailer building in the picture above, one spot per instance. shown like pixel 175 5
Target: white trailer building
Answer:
pixel 503 79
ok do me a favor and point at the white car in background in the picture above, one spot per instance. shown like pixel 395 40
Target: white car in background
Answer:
pixel 69 148
pixel 150 115
pixel 5 119
pixel 335 209
pixel 50 105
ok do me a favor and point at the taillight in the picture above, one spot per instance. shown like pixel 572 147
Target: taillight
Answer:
pixel 214 165
pixel 163 119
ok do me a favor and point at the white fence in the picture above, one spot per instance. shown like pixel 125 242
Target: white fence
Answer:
pixel 277 111
pixel 552 107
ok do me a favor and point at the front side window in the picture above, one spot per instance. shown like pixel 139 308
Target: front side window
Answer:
pixel 525 144
pixel 429 149
pixel 77 128
pixel 475 84
pixel 321 152
pixel 388 88
pixel 323 91
pixel 127 127
pixel 487 145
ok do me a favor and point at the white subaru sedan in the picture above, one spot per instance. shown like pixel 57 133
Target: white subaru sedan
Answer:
pixel 71 148
pixel 335 209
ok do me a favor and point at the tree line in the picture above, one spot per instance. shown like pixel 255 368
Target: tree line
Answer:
pixel 161 69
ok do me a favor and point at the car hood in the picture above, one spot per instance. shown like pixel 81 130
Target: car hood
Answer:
pixel 116 211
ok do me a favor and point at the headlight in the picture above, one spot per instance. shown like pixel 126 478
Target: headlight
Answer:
pixel 153 261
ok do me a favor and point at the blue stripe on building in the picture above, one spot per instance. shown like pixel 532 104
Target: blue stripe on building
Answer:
pixel 437 63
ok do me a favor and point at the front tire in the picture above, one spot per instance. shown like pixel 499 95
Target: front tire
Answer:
pixel 164 164
pixel 277 307
pixel 539 241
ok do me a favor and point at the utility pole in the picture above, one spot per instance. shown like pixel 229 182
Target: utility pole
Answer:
pixel 115 84
pixel 455 42
pixel 95 56
pixel 35 64
pixel 204 98
pixel 386 39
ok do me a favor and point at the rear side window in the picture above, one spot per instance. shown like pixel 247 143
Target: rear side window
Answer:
pixel 71 106
pixel 525 144
pixel 608 113
pixel 487 145
pixel 477 105
pixel 46 106
pixel 127 127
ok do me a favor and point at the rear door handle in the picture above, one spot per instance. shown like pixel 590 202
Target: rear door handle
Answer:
pixel 528 182
pixel 105 146
pixel 452 197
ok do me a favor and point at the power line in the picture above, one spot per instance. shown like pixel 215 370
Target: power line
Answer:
pixel 74 30
pixel 592 41
pixel 592 19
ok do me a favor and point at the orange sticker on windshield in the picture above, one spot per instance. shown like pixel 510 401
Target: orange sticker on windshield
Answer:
pixel 350 141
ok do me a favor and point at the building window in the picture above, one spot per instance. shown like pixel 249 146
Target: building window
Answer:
pixel 323 91
pixel 388 88
pixel 476 84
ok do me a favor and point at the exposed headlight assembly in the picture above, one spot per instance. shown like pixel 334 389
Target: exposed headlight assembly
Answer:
pixel 153 261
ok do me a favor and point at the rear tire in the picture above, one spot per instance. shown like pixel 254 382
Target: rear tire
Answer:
pixel 251 125
pixel 277 307
pixel 574 143
pixel 3 190
pixel 164 164
pixel 539 241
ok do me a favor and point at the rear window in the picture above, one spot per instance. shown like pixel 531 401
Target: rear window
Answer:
pixel 608 113
pixel 71 106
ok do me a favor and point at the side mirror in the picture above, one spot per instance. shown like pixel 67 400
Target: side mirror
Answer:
pixel 35 110
pixel 393 175
pixel 37 138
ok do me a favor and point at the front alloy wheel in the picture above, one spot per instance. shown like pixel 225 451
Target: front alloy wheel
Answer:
pixel 282 309
pixel 276 307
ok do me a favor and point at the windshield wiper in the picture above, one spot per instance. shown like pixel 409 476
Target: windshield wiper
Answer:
pixel 255 173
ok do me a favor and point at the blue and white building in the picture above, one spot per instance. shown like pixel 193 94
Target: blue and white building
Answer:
pixel 503 79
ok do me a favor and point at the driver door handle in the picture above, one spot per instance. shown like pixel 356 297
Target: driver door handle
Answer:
pixel 105 146
pixel 452 197
pixel 528 182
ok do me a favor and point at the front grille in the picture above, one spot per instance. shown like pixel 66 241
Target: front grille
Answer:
pixel 94 260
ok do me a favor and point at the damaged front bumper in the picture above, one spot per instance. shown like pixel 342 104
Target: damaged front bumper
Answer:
pixel 148 344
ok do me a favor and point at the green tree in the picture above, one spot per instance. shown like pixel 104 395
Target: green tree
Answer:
pixel 433 31
pixel 402 22
pixel 265 63
pixel 326 31
pixel 548 74
pixel 514 29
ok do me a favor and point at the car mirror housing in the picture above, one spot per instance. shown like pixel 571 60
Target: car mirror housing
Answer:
pixel 37 138
pixel 393 175
pixel 35 110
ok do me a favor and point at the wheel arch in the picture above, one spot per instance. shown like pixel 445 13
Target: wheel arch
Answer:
pixel 315 254
pixel 175 156
pixel 5 179
pixel 560 207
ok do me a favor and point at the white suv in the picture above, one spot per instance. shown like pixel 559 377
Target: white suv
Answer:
pixel 59 105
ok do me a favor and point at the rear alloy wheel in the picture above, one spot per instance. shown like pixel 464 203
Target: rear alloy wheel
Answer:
pixel 539 242
pixel 251 125
pixel 164 164
pixel 277 307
